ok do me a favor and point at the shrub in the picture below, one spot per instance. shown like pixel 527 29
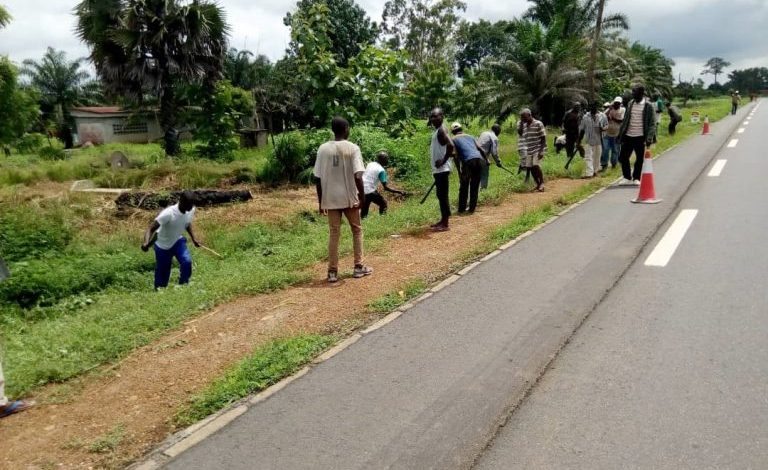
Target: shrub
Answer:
pixel 26 233
pixel 287 160
pixel 30 143
pixel 51 153
pixel 45 282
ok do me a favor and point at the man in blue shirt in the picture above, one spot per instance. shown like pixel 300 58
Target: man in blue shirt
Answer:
pixel 471 161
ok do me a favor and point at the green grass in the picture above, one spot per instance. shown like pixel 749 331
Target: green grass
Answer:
pixel 74 334
pixel 392 300
pixel 264 367
pixel 109 441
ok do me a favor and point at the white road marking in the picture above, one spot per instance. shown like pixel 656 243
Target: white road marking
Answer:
pixel 746 123
pixel 717 168
pixel 668 244
pixel 733 143
pixel 740 131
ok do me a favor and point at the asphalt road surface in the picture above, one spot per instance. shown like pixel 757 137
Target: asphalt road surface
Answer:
pixel 431 389
pixel 671 370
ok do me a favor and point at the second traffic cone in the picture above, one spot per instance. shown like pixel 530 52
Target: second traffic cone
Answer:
pixel 705 129
pixel 647 194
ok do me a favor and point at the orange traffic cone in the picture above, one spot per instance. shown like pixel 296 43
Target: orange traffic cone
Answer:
pixel 647 194
pixel 705 129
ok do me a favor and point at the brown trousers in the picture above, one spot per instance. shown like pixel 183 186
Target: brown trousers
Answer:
pixel 334 223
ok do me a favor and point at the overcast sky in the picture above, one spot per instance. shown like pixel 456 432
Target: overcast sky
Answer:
pixel 689 31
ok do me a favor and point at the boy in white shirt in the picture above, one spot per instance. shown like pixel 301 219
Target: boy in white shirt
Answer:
pixel 170 226
pixel 375 173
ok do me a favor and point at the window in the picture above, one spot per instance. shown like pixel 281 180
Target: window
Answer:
pixel 126 127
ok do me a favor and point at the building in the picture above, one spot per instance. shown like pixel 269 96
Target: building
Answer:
pixel 107 124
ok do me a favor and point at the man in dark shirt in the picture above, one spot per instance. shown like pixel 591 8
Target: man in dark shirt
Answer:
pixel 571 123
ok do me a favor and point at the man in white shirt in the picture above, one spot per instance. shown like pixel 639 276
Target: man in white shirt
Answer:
pixel 592 126
pixel 339 182
pixel 375 173
pixel 169 226
pixel 489 142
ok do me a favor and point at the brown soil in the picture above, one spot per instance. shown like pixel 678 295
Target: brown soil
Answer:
pixel 139 396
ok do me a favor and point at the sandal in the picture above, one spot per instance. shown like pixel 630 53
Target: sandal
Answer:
pixel 15 407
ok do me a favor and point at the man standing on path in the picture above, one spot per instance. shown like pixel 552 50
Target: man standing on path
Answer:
pixel 532 145
pixel 170 226
pixel 637 132
pixel 571 125
pixel 470 164
pixel 376 172
pixel 489 142
pixel 592 126
pixel 615 116
pixel 441 150
pixel 339 182
pixel 735 100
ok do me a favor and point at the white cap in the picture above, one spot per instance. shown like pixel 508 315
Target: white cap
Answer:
pixel 618 100
pixel 455 126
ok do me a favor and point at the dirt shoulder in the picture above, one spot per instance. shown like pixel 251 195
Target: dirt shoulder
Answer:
pixel 117 414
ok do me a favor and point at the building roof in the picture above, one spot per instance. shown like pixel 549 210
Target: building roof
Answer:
pixel 99 109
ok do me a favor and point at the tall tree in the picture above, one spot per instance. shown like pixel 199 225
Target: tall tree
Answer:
pixel 749 80
pixel 153 46
pixel 476 41
pixel 19 106
pixel 245 71
pixel 350 30
pixel 715 66
pixel 652 68
pixel 424 28
pixel 574 17
pixel 593 51
pixel 61 83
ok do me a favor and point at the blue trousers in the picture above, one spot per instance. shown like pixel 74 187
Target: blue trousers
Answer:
pixel 164 258
pixel 610 151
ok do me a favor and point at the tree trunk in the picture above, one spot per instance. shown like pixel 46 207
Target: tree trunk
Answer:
pixel 593 52
pixel 168 121
pixel 203 197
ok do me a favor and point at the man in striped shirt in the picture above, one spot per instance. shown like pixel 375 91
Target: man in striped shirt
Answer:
pixel 532 145
pixel 637 131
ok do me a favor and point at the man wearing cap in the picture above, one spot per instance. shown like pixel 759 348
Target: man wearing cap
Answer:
pixel 735 99
pixel 615 116
pixel 470 163
pixel 489 142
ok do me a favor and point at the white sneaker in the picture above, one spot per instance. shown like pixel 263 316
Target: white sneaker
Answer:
pixel 625 182
pixel 636 182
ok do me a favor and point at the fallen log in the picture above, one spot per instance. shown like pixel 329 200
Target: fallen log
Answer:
pixel 203 197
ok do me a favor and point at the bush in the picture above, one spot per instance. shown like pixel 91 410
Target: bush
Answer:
pixel 26 233
pixel 30 143
pixel 287 160
pixel 51 153
pixel 45 282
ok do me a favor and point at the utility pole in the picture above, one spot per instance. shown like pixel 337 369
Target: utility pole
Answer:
pixel 593 52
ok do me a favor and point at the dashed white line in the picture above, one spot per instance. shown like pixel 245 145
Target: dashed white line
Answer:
pixel 740 131
pixel 668 244
pixel 717 168
pixel 733 143
pixel 746 123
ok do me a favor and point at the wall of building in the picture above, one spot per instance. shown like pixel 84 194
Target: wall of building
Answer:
pixel 105 130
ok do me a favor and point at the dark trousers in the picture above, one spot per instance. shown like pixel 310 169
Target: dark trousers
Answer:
pixel 629 145
pixel 672 127
pixel 441 191
pixel 734 106
pixel 164 258
pixel 471 174
pixel 377 199
pixel 572 146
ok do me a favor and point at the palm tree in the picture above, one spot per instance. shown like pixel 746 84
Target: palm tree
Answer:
pixel 61 84
pixel 539 72
pixel 652 69
pixel 574 17
pixel 152 46
pixel 5 17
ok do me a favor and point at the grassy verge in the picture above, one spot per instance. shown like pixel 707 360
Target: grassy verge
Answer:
pixel 264 367
pixel 73 334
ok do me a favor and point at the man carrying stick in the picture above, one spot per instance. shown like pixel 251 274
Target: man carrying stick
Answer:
pixel 532 146
pixel 441 150
pixel 170 226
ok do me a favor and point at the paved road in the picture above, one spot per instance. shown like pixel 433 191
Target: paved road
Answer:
pixel 430 389
pixel 671 370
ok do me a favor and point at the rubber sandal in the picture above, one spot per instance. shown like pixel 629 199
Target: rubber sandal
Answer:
pixel 15 407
